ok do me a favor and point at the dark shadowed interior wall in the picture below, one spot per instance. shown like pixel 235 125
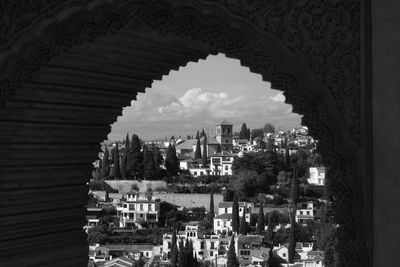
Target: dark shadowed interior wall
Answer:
pixel 386 127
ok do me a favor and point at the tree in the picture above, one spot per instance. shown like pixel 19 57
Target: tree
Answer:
pixel 124 160
pixel 174 250
pixel 181 255
pixel 157 156
pixel 269 128
pixel 295 190
pixel 270 229
pixel 243 224
pixel 105 164
pixel 206 226
pixel 261 162
pixel 189 253
pixel 149 193
pixel 197 153
pixel 116 169
pixel 301 161
pixel 235 213
pixel 211 212
pixel 282 178
pixel 316 160
pixel 232 260
pixel 292 242
pixel 135 158
pixel 257 133
pixel 171 161
pixel 248 134
pixel 140 262
pixel 243 131
pixel 260 221
pixel 204 151
pixel 148 164
pixel 248 183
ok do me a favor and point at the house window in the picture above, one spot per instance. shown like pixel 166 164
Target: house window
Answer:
pixel 201 173
pixel 169 245
pixel 226 210
pixel 283 254
pixel 217 223
pixel 226 167
pixel 301 212
pixel 224 223
pixel 211 253
pixel 308 212
pixel 195 173
pixel 202 245
pixel 141 206
pixel 212 245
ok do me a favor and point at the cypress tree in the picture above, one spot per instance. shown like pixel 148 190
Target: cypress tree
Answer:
pixel 197 153
pixel 260 222
pixel 127 142
pixel 235 214
pixel 105 165
pixel 124 160
pixel 202 133
pixel 148 163
pixel 196 263
pixel 205 151
pixel 188 253
pixel 295 190
pixel 292 242
pixel 173 232
pixel 243 131
pixel 190 256
pixel 212 214
pixel 135 158
pixel 243 224
pixel 171 161
pixel 287 159
pixel 181 255
pixel 157 157
pixel 248 134
pixel 116 170
pixel 232 260
pixel 270 229
pixel 174 251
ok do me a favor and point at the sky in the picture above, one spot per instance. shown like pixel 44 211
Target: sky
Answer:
pixel 200 95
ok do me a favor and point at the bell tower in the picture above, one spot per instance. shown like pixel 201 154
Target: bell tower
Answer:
pixel 224 135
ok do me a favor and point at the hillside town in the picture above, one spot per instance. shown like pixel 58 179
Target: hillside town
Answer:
pixel 247 198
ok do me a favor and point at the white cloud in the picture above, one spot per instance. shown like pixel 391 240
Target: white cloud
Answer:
pixel 278 97
pixel 195 102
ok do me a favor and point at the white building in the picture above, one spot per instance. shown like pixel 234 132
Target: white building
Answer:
pixel 249 250
pixel 199 171
pixel 317 176
pixel 92 217
pixel 223 221
pixel 214 247
pixel 136 211
pixel 206 247
pixel 308 210
pixel 304 255
pixel 221 163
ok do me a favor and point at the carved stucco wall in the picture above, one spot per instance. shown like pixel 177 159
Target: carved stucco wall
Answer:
pixel 308 49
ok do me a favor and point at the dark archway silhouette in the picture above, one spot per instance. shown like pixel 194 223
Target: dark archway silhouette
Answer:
pixel 65 75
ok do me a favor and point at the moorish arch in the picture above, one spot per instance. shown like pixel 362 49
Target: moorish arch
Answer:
pixel 67 69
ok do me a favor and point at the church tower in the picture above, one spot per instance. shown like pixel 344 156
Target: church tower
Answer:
pixel 224 136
